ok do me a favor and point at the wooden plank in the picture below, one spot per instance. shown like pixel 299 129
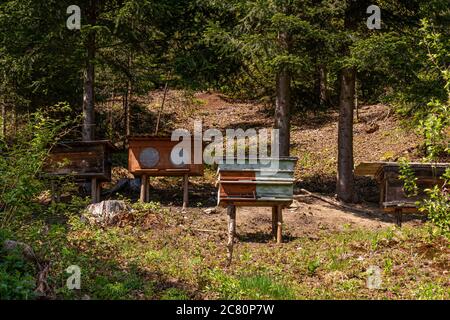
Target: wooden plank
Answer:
pixel 274 221
pixel 185 191
pixel 231 211
pixel 164 146
pixel 94 193
pixel 144 187
pixel 279 224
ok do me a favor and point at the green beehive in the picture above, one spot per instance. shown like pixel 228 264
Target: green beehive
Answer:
pixel 256 182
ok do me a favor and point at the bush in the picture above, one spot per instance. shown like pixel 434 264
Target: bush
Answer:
pixel 438 206
pixel 16 274
pixel 21 162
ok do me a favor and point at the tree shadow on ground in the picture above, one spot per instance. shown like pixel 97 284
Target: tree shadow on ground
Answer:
pixel 262 237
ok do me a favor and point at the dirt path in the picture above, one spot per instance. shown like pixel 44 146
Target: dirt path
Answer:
pixel 306 218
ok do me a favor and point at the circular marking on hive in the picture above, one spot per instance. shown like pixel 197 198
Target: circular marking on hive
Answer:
pixel 149 158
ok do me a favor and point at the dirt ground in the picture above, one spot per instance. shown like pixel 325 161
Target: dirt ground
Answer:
pixel 305 218
pixel 379 135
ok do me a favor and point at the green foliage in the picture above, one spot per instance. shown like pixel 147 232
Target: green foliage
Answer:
pixel 313 265
pixel 263 287
pixel 174 294
pixel 22 161
pixel 438 205
pixel 247 287
pixel 434 127
pixel 16 275
pixel 406 174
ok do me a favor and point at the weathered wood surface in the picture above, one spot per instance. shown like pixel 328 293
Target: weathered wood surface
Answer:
pixel 246 184
pixel 231 211
pixel 185 191
pixel 393 198
pixel 81 160
pixel 161 148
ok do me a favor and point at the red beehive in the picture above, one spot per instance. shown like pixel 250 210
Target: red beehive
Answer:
pixel 151 156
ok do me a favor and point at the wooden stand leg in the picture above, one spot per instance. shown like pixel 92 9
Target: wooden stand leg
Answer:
pixel 185 191
pixel 53 191
pixel 399 217
pixel 274 221
pixel 94 190
pixel 231 210
pixel 144 187
pixel 279 224
pixel 98 192
pixel 147 190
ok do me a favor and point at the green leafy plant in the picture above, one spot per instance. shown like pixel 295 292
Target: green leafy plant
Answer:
pixel 406 174
pixel 22 161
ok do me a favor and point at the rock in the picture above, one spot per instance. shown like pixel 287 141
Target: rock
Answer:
pixel 210 210
pixel 106 212
pixel 25 250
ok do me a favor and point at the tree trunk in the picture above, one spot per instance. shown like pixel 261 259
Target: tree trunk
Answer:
pixel 283 101
pixel 88 79
pixel 128 123
pixel 128 101
pixel 345 179
pixel 323 85
pixel 3 121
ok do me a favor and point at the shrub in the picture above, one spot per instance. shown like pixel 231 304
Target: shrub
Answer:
pixel 21 162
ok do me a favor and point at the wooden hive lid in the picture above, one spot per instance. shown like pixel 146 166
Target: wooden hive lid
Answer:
pixel 111 147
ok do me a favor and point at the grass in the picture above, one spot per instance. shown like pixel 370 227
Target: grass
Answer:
pixel 170 262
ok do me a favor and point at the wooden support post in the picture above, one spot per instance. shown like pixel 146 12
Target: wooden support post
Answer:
pixel 53 191
pixel 274 221
pixel 185 191
pixel 398 217
pixel 98 192
pixel 147 190
pixel 144 188
pixel 94 190
pixel 279 224
pixel 231 210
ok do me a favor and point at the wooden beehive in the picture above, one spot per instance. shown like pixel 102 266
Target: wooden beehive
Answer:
pixel 151 156
pixel 393 198
pixel 81 159
pixel 256 182
pixel 248 184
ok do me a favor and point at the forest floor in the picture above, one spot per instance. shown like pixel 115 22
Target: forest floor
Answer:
pixel 163 252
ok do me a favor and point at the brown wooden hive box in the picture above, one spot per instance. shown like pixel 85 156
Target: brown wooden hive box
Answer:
pixel 392 195
pixel 81 159
pixel 151 156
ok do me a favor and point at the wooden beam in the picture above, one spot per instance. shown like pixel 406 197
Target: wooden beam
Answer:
pixel 231 210
pixel 185 191
pixel 398 217
pixel 279 224
pixel 98 192
pixel 144 188
pixel 94 190
pixel 274 221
